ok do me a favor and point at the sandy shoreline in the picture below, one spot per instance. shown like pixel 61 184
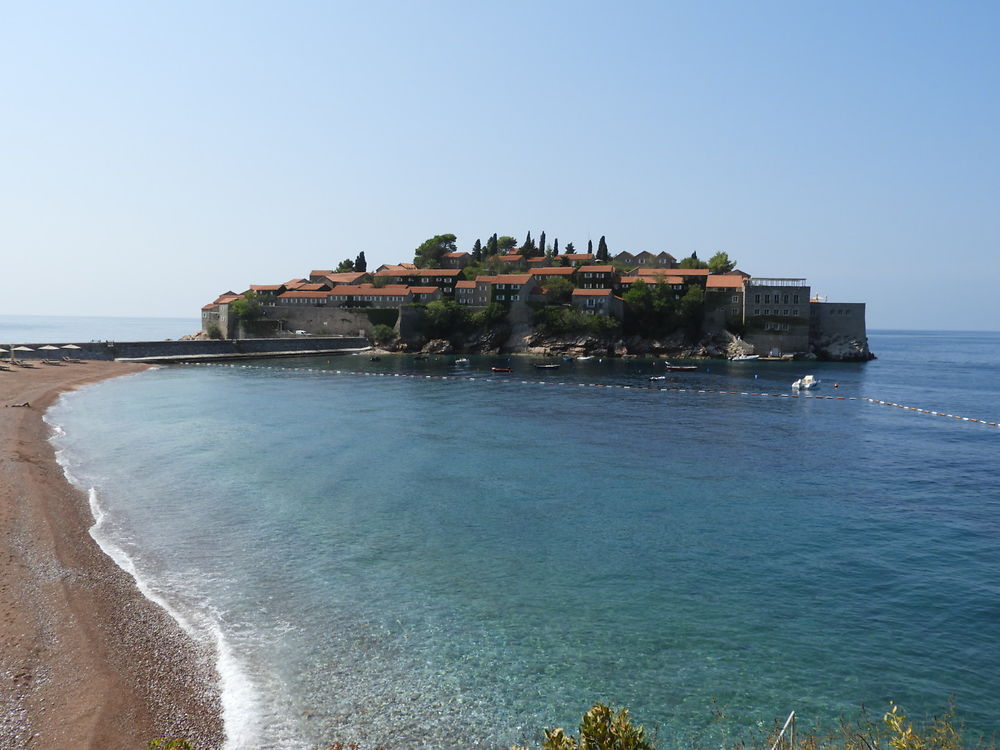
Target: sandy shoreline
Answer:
pixel 85 660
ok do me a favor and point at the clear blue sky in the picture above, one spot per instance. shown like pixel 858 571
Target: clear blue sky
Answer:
pixel 156 154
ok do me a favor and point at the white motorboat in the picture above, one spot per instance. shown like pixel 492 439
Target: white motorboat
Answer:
pixel 805 382
pixel 744 357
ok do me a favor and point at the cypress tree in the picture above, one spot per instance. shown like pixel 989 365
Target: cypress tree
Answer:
pixel 590 246
pixel 555 246
pixel 360 264
pixel 541 242
pixel 602 249
pixel 477 251
pixel 491 245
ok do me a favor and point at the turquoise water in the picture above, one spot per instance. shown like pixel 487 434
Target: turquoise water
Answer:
pixel 429 562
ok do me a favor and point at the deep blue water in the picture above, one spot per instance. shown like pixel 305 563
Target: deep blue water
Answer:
pixel 428 562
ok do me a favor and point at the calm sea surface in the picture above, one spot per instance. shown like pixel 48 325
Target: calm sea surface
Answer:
pixel 38 329
pixel 443 562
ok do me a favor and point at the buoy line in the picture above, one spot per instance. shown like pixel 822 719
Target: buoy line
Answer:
pixel 490 378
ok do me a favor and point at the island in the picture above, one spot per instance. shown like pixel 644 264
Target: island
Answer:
pixel 504 298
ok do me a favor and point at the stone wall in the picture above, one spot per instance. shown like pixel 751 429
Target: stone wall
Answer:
pixel 107 350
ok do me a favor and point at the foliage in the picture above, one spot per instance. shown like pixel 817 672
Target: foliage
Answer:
pixel 559 290
pixel 650 310
pixel 602 249
pixel 346 266
pixel 489 317
pixel 590 246
pixel 492 245
pixel 541 243
pixel 505 244
pixel 552 320
pixel 600 729
pixel 444 318
pixel 692 262
pixel 477 251
pixel 213 331
pixel 247 308
pixel 569 249
pixel 428 254
pixel 360 264
pixel 691 309
pixel 720 263
pixel 382 334
pixel 555 246
pixel 528 249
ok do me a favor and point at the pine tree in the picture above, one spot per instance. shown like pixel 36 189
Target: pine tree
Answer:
pixel 360 264
pixel 569 249
pixel 602 249
pixel 491 245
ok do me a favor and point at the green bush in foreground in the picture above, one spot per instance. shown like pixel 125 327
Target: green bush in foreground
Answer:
pixel 602 729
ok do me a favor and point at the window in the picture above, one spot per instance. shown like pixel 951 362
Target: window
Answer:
pixel 756 311
pixel 515 297
pixel 736 298
pixel 786 300
pixel 756 298
pixel 734 311
pixel 767 298
pixel 795 298
pixel 795 312
pixel 767 311
pixel 784 312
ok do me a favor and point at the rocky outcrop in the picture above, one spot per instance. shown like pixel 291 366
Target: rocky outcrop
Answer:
pixel 841 349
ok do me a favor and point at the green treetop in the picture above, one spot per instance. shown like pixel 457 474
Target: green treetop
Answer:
pixel 428 255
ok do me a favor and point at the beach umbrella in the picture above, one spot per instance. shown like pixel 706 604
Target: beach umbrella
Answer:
pixel 70 346
pixel 49 348
pixel 23 349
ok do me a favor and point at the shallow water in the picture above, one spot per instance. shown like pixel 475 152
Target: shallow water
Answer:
pixel 429 562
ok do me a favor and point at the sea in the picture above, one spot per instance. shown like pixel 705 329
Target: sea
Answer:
pixel 422 553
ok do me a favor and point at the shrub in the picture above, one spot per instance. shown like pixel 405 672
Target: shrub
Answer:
pixel 383 334
pixel 213 331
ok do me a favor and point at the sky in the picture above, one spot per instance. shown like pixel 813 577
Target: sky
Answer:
pixel 156 154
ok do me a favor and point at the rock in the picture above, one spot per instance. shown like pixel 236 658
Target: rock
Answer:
pixel 842 349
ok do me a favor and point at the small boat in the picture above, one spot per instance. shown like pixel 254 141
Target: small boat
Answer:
pixel 501 369
pixel 462 361
pixel 658 377
pixel 744 357
pixel 805 382
pixel 584 359
pixel 678 368
pixel 546 367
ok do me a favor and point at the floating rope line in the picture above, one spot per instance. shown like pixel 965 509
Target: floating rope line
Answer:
pixel 494 378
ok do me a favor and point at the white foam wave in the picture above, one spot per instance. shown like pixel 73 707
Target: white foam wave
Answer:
pixel 239 697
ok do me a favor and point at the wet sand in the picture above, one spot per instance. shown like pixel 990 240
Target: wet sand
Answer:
pixel 85 660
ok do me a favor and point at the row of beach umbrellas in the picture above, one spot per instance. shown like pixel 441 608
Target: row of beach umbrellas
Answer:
pixel 47 347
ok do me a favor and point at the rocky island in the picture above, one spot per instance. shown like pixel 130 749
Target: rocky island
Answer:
pixel 501 297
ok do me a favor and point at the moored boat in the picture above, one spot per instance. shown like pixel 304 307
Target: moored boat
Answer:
pixel 744 357
pixel 805 382
pixel 501 369
pixel 546 367
pixel 678 368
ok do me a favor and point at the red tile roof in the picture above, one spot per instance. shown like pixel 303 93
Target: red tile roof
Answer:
pixel 510 278
pixel 460 254
pixel 596 269
pixel 554 271
pixel 266 287
pixel 436 272
pixel 578 256
pixel 348 277
pixel 664 278
pixel 511 258
pixel 725 281
pixel 296 294
pixel 592 293
pixel 313 287
pixel 671 271
pixel 465 285
pixel 425 289
pixel 353 290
